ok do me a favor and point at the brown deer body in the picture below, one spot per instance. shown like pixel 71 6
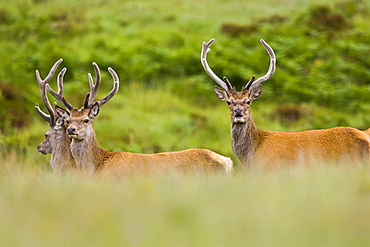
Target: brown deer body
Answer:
pixel 269 148
pixel 91 158
pixel 260 148
pixel 56 139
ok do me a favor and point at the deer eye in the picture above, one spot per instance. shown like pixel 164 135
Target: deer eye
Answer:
pixel 249 102
pixel 86 120
pixel 228 102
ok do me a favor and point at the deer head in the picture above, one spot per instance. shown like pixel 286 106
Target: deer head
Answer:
pixel 56 140
pixel 79 121
pixel 45 147
pixel 238 101
pixel 55 123
pixel 48 144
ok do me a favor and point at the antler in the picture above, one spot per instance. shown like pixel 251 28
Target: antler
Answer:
pixel 225 84
pixel 59 96
pixel 94 87
pixel 90 97
pixel 42 85
pixel 253 84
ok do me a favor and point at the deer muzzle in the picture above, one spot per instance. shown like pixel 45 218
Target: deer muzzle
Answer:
pixel 74 134
pixel 238 116
pixel 41 150
pixel 71 131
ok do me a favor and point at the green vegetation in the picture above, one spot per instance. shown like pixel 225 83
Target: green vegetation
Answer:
pixel 319 206
pixel 322 49
pixel 166 102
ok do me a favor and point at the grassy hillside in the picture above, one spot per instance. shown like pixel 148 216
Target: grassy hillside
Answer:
pixel 323 62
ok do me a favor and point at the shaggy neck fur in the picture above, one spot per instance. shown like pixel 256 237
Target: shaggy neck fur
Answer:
pixel 86 152
pixel 244 140
pixel 61 159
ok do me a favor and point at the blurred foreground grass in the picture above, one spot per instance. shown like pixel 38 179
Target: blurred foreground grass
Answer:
pixel 319 206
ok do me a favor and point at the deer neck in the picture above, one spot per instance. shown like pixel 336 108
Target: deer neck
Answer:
pixel 87 154
pixel 244 140
pixel 61 159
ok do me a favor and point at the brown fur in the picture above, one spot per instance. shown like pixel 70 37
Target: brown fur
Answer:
pixel 260 148
pixel 57 143
pixel 91 158
pixel 185 161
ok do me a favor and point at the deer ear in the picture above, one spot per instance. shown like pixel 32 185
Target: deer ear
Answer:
pixel 255 92
pixel 60 121
pixel 221 94
pixel 64 114
pixel 94 111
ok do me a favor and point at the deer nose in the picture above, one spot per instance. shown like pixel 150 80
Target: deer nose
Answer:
pixel 238 111
pixel 39 149
pixel 71 131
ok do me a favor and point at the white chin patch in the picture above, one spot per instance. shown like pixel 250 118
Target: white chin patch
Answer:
pixel 238 120
pixel 75 137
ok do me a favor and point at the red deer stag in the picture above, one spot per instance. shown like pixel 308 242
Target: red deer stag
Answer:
pixel 261 148
pixel 91 158
pixel 56 140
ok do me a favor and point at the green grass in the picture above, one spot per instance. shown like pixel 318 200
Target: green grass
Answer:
pixel 320 206
pixel 146 41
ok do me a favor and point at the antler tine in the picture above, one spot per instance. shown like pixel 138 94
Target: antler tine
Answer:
pixel 205 49
pixel 45 116
pixel 270 71
pixel 59 95
pixel 114 89
pixel 94 87
pixel 86 101
pixel 42 85
pixel 101 102
pixel 250 82
pixel 227 82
